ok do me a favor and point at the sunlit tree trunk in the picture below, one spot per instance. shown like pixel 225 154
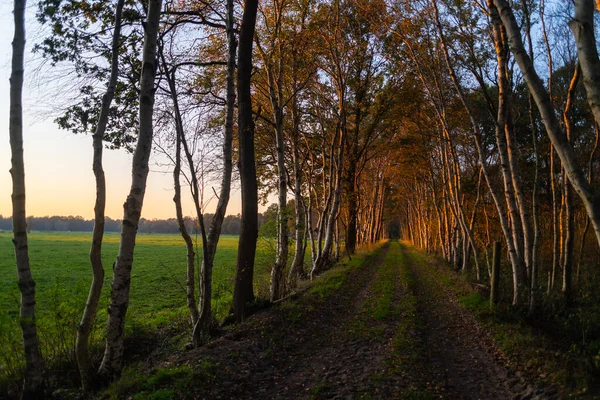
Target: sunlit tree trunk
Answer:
pixel 502 132
pixel 590 178
pixel 277 288
pixel 112 362
pixel 567 284
pixel 533 273
pixel 325 257
pixel 82 351
pixel 297 268
pixel 555 220
pixel 33 379
pixel 472 227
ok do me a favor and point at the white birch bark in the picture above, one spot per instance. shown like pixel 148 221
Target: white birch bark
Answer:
pixel 297 269
pixel 502 135
pixel 277 287
pixel 502 214
pixel 336 182
pixel 33 379
pixel 583 31
pixel 86 324
pixel 112 361
pixel 214 231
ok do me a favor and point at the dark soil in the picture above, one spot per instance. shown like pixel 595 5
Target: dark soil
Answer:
pixel 461 355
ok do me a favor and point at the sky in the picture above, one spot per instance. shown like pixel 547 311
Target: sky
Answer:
pixel 58 164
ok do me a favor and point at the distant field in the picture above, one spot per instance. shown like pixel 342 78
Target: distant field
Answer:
pixel 61 269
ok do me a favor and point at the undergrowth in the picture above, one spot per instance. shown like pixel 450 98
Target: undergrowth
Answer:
pixel 164 383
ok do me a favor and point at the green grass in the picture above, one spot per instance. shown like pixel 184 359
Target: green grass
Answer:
pixel 406 345
pixel 408 349
pixel 378 307
pixel 331 280
pixel 164 383
pixel 61 269
pixel 60 266
pixel 384 286
pixel 474 301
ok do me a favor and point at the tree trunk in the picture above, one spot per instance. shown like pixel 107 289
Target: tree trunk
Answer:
pixel 533 273
pixel 495 281
pixel 567 284
pixel 86 324
pixel 583 31
pixel 502 130
pixel 277 287
pixel 352 190
pixel 190 281
pixel 112 362
pixel 590 179
pixel 352 207
pixel 214 231
pixel 189 245
pixel 555 221
pixel 243 291
pixel 297 269
pixel 325 257
pixel 33 379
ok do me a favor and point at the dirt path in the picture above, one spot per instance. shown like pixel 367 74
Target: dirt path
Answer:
pixel 459 354
pixel 385 329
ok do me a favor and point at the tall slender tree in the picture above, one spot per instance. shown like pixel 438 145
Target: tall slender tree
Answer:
pixel 33 379
pixel 112 361
pixel 243 292
pixel 214 231
pixel 84 361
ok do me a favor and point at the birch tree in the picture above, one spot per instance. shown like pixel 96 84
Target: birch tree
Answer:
pixel 112 361
pixel 214 230
pixel 86 324
pixel 33 378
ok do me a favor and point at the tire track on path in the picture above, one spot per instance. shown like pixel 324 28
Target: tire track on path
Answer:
pixel 300 349
pixel 457 353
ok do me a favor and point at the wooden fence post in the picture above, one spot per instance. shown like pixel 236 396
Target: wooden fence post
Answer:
pixel 495 275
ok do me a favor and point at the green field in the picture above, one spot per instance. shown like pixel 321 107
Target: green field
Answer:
pixel 61 269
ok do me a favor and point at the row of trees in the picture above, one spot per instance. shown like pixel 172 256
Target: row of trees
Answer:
pixel 511 150
pixel 428 118
pixel 231 224
pixel 313 103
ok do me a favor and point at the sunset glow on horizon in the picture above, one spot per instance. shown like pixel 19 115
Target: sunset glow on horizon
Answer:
pixel 58 164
